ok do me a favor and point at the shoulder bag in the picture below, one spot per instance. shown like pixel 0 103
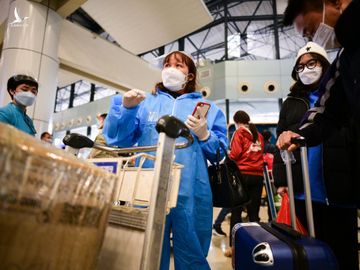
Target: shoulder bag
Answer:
pixel 227 184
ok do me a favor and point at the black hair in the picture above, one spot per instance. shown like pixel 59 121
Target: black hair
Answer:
pixel 231 129
pixel 44 134
pixel 103 115
pixel 16 80
pixel 241 117
pixel 297 7
pixel 266 134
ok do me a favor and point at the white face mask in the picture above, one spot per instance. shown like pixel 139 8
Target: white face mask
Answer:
pixel 310 76
pixel 25 98
pixel 173 79
pixel 325 35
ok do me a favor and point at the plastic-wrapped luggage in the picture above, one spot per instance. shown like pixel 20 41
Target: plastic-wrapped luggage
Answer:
pixel 53 206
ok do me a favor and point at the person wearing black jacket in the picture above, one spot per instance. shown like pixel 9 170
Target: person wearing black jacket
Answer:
pixel 297 104
pixel 334 23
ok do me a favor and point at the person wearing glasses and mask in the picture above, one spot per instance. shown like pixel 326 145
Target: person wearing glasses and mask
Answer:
pixel 23 90
pixel 132 120
pixel 334 23
pixel 310 66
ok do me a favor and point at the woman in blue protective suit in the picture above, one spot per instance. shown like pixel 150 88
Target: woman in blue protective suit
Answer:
pixel 132 120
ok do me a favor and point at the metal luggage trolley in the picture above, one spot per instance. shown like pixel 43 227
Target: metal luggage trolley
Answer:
pixel 133 239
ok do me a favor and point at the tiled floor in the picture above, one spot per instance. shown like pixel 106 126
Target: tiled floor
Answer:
pixel 216 257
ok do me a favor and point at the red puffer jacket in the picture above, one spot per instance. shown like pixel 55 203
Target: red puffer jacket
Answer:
pixel 248 155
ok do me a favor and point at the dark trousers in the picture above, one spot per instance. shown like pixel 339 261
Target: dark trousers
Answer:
pixel 336 226
pixel 221 216
pixel 254 186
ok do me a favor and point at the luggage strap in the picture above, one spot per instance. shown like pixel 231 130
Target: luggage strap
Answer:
pixel 300 261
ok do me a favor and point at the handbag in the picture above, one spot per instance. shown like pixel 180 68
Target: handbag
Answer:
pixel 227 184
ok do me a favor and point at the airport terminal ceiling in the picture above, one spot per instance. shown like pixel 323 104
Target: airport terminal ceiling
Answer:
pixel 240 30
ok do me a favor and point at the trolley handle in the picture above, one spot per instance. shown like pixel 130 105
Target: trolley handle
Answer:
pixel 168 124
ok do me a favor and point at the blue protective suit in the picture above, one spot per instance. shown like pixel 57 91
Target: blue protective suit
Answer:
pixel 191 221
pixel 15 116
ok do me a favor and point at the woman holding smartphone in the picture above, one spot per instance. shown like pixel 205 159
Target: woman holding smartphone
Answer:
pixel 134 121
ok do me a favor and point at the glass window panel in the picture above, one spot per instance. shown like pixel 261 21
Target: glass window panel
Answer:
pixel 82 93
pixel 290 42
pixel 62 99
pixel 234 49
pixel 101 92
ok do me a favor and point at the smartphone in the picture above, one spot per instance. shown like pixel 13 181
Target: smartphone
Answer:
pixel 201 109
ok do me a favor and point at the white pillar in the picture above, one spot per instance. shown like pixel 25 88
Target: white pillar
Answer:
pixel 31 47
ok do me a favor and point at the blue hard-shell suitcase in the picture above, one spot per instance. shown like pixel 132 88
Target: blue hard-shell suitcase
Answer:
pixel 279 246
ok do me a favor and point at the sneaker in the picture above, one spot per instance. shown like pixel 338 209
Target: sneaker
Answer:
pixel 218 231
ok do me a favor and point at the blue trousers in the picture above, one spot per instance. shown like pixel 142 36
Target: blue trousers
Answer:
pixel 191 241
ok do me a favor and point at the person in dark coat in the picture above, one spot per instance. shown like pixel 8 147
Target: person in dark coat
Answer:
pixel 334 24
pixel 296 105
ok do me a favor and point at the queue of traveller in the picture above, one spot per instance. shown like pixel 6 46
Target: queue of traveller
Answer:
pixel 323 106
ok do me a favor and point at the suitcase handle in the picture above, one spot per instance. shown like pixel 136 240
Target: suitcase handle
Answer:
pixel 169 124
pixel 306 179
pixel 299 140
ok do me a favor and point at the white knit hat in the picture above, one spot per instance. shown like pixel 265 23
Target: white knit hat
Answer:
pixel 310 47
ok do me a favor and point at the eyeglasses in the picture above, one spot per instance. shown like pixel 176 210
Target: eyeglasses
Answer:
pixel 309 64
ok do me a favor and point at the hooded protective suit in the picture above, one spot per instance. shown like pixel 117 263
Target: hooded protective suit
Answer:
pixel 191 221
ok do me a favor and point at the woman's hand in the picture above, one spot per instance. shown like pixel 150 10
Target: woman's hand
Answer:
pixel 198 126
pixel 133 97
